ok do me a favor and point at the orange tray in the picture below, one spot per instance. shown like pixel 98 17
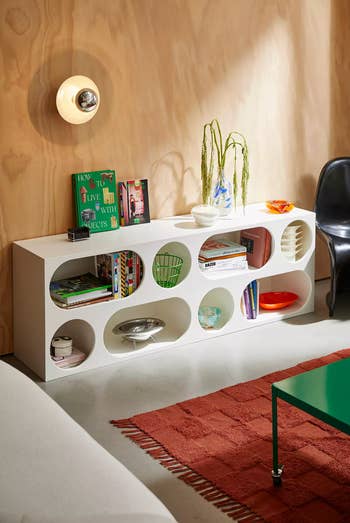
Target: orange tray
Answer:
pixel 277 300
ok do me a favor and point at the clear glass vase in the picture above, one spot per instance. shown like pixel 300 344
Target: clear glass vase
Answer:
pixel 222 196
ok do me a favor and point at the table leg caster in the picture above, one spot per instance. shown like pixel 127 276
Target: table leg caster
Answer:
pixel 277 476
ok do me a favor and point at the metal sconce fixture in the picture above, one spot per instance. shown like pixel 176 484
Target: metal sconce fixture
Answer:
pixel 78 99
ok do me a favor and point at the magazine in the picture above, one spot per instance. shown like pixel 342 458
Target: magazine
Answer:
pixel 133 202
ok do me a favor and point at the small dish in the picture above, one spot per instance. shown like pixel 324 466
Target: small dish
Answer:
pixel 205 215
pixel 277 300
pixel 279 206
pixel 209 317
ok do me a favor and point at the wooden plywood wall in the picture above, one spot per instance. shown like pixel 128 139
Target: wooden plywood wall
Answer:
pixel 273 69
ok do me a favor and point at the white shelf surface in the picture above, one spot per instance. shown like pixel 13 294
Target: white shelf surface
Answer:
pixel 162 230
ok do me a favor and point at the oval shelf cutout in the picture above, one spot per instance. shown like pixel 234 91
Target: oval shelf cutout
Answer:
pixel 171 264
pixel 122 270
pixel 174 312
pixel 297 282
pixel 216 261
pixel 296 240
pixel 83 342
pixel 217 302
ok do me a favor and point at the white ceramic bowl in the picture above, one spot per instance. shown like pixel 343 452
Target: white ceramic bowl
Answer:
pixel 205 215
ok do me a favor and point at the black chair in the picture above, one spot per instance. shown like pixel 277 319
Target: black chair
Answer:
pixel 333 221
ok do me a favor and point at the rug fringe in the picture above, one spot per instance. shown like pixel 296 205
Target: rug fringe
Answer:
pixel 204 487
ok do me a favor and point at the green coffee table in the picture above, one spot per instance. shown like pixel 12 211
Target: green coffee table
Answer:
pixel 323 393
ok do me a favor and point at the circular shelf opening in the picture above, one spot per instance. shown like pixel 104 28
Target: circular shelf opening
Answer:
pixel 174 315
pixel 224 254
pixel 296 240
pixel 296 282
pixel 86 281
pixel 215 309
pixel 82 337
pixel 171 264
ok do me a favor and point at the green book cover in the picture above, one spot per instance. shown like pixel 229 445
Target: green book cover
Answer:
pixel 82 284
pixel 96 203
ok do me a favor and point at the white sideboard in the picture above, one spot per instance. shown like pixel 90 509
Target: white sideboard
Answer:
pixel 37 319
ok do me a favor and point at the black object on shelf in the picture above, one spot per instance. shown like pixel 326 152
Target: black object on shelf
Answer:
pixel 76 234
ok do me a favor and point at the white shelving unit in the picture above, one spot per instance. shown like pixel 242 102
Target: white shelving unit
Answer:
pixel 36 262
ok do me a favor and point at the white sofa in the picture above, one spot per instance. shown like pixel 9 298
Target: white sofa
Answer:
pixel 52 471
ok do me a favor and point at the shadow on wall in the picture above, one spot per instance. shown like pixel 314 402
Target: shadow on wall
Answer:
pixel 340 79
pixel 306 188
pixel 41 101
pixel 311 97
pixel 339 131
pixel 174 196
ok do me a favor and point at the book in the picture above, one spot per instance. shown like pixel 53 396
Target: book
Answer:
pixel 247 305
pixel 130 272
pixel 214 248
pixel 121 270
pixel 138 270
pixel 258 244
pixel 224 264
pixel 134 266
pixel 83 303
pixel 238 256
pixel 80 288
pixel 250 300
pixel 96 204
pixel 256 290
pixel 108 271
pixel 133 202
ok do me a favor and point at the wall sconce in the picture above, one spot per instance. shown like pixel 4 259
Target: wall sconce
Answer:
pixel 78 99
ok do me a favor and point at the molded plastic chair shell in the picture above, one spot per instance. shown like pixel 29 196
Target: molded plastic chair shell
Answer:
pixel 333 221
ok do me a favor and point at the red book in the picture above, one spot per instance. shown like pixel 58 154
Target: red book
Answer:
pixel 258 243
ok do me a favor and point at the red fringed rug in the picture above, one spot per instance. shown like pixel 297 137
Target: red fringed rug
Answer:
pixel 220 445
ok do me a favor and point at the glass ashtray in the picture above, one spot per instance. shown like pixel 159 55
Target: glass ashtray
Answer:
pixel 279 206
pixel 209 317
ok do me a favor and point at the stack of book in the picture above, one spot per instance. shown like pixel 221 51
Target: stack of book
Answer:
pixel 222 254
pixel 78 290
pixel 121 270
pixel 250 300
pixel 66 362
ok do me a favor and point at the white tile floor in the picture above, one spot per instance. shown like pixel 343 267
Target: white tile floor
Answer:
pixel 119 391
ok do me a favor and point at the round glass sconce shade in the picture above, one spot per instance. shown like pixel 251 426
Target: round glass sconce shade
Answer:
pixel 78 99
